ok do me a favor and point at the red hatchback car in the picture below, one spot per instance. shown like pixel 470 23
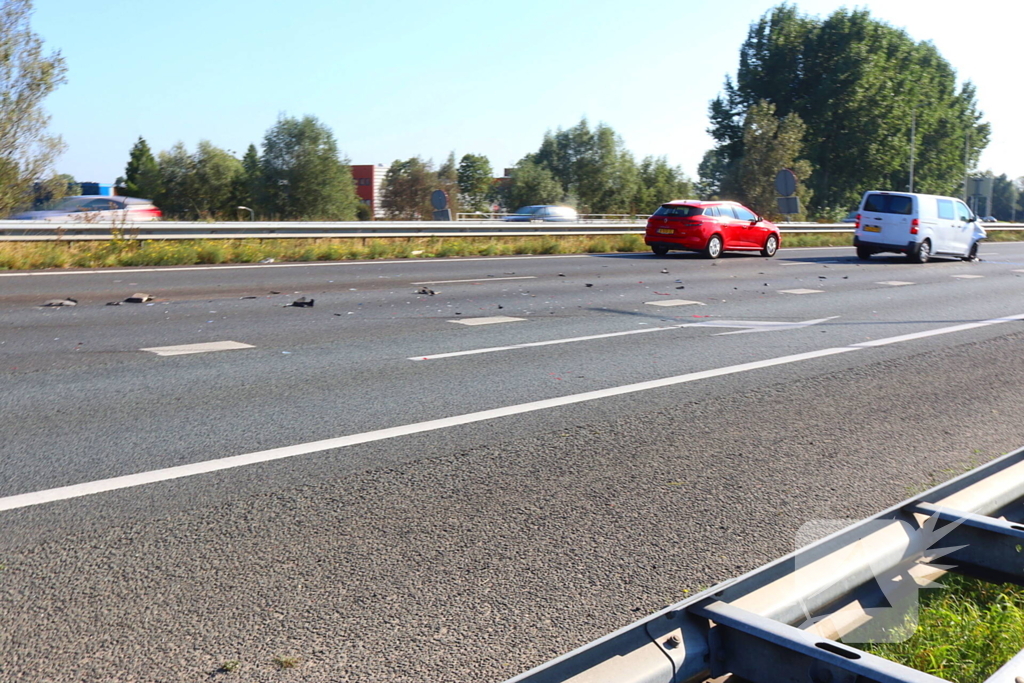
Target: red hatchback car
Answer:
pixel 710 228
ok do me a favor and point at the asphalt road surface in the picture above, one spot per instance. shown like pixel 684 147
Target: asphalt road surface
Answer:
pixel 401 486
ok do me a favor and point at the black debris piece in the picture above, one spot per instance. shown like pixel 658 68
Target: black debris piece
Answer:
pixel 426 290
pixel 822 277
pixel 301 302
pixel 138 298
pixel 61 302
pixel 247 297
pixel 273 292
pixel 664 271
pixel 589 284
pixel 681 287
pixel 561 275
pixel 500 307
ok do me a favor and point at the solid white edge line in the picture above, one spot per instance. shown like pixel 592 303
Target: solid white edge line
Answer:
pixel 479 279
pixel 216 465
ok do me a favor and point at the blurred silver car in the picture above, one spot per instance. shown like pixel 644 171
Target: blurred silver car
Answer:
pixel 544 212
pixel 93 209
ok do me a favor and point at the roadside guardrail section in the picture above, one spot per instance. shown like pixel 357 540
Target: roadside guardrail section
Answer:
pixel 783 622
pixel 40 231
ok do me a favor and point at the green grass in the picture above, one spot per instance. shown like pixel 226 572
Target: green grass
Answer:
pixel 282 662
pixel 965 631
pixel 136 252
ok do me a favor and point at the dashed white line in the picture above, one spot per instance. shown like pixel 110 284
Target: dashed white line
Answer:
pixel 801 291
pixel 132 480
pixel 479 279
pixel 493 320
pixel 967 277
pixel 894 283
pixel 182 349
pixel 674 302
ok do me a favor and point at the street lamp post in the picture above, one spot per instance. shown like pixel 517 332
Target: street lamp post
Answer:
pixel 252 214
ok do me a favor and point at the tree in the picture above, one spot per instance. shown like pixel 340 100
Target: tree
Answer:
pixel 769 145
pixel 860 86
pixel 142 174
pixel 447 180
pixel 302 175
pixel 405 193
pixel 200 185
pixel 530 183
pixel 475 178
pixel 660 183
pixel 593 167
pixel 27 77
pixel 1004 198
pixel 249 187
pixel 52 190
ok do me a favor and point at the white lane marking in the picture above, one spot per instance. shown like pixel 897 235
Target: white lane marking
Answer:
pixel 801 291
pixel 674 302
pixel 205 347
pixel 550 342
pixel 479 279
pixel 894 283
pixel 131 480
pixel 967 277
pixel 487 321
pixel 931 333
pixel 1018 271
pixel 808 263
pixel 750 326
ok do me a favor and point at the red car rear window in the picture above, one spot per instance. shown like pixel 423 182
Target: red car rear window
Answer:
pixel 679 211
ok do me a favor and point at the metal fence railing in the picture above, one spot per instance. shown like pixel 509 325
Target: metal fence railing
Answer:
pixel 72 231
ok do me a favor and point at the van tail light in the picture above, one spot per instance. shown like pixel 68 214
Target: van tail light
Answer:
pixel 856 223
pixel 914 225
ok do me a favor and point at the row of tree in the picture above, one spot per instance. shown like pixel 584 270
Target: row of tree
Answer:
pixel 588 168
pixel 297 175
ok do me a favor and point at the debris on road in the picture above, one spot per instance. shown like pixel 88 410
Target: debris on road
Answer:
pixel 561 275
pixel 426 290
pixel 684 287
pixel 589 284
pixel 138 298
pixel 61 302
pixel 267 260
pixel 273 292
pixel 664 271
pixel 248 297
pixel 301 302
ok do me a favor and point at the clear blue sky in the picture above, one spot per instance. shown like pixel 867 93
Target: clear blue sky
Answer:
pixel 410 77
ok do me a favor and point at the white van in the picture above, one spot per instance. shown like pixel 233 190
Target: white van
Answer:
pixel 918 225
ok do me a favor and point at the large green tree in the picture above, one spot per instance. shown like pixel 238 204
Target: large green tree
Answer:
pixel 199 185
pixel 596 171
pixel 860 86
pixel 770 144
pixel 405 192
pixel 659 183
pixel 475 179
pixel 27 77
pixel 142 174
pixel 530 183
pixel 303 176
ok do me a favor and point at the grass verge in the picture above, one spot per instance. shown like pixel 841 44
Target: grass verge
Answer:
pixel 965 631
pixel 136 252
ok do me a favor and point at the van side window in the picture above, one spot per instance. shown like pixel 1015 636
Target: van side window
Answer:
pixel 963 211
pixel 946 209
pixel 889 203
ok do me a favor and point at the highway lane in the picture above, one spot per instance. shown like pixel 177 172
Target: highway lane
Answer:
pixel 541 481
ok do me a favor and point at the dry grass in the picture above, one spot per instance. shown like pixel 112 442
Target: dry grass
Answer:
pixel 136 252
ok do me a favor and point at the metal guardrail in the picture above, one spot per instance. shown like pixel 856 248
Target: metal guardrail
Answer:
pixel 73 231
pixel 783 622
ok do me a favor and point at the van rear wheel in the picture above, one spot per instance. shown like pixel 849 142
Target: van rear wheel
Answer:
pixel 922 253
pixel 863 253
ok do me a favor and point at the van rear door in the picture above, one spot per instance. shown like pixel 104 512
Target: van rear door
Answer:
pixel 885 218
